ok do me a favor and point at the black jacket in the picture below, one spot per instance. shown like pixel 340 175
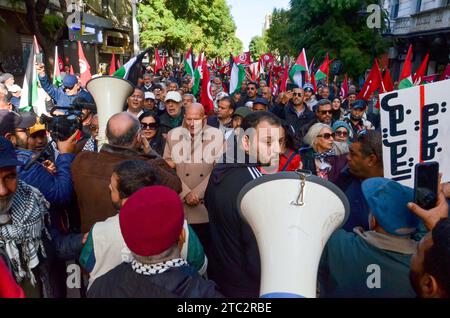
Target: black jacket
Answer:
pixel 124 282
pixel 234 259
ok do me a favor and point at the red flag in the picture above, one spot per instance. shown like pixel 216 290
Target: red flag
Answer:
pixel 266 59
pixel 277 70
pixel 387 81
pixel 344 87
pixel 283 85
pixel 243 58
pixel 112 65
pixel 313 81
pixel 206 96
pixel 406 70
pixel 429 78
pixel 372 83
pixel 158 62
pixel 60 64
pixel 71 70
pixel 85 68
pixel 446 74
pixel 225 69
pixel 164 60
pixel 418 75
pixel 119 65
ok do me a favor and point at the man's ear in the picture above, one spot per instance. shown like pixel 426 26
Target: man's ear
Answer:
pixel 246 143
pixel 372 160
pixel 429 287
pixel 11 137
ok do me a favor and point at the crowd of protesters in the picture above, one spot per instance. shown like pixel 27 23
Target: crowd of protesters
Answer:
pixel 143 219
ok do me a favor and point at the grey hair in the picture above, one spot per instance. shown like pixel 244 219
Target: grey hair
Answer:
pixel 3 93
pixel 127 139
pixel 193 97
pixel 313 131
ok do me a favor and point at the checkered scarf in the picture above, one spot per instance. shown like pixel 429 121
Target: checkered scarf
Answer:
pixel 21 238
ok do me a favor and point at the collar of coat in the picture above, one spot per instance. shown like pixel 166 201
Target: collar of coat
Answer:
pixel 403 245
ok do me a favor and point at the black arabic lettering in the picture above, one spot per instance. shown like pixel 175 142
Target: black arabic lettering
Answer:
pixel 396 114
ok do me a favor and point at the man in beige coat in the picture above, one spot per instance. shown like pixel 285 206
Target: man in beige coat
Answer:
pixel 192 150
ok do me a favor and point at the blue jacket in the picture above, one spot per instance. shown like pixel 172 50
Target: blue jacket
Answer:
pixel 359 209
pixel 58 188
pixel 59 96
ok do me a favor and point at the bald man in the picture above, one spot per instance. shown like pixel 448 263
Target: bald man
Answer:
pixel 91 171
pixel 192 150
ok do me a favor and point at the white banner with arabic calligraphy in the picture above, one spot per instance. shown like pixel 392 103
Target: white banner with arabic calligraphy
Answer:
pixel 415 127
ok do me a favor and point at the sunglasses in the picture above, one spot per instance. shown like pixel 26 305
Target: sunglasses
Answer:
pixel 324 112
pixel 297 94
pixel 151 126
pixel 327 135
pixel 341 133
pixel 251 88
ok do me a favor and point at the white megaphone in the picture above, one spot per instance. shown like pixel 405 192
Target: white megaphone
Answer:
pixel 291 226
pixel 110 94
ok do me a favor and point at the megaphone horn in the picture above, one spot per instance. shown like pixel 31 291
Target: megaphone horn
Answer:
pixel 291 227
pixel 110 94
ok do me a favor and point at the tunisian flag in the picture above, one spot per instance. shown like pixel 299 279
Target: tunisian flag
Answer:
pixel 85 68
pixel 206 96
pixel 243 58
pixel 372 83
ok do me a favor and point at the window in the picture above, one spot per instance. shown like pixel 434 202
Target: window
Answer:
pixel 394 9
pixel 418 5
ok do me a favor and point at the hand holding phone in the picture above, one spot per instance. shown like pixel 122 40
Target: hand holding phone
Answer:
pixel 426 184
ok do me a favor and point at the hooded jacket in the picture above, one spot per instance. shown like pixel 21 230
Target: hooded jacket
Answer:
pixel 234 259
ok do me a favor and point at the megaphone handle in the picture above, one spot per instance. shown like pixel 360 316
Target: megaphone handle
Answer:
pixel 300 201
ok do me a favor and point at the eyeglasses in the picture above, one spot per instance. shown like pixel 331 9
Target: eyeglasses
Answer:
pixel 251 88
pixel 324 112
pixel 137 97
pixel 151 126
pixel 327 135
pixel 297 94
pixel 341 133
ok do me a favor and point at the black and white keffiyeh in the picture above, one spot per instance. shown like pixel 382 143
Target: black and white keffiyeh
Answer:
pixel 22 237
pixel 158 268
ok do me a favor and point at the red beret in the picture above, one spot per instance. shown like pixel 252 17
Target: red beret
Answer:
pixel 151 220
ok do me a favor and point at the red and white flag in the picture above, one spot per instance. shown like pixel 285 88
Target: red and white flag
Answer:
pixel 85 68
pixel 243 58
pixel 206 96
pixel 344 87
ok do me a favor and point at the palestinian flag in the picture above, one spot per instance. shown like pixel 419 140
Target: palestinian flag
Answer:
pixel 29 96
pixel 132 69
pixel 405 80
pixel 57 81
pixel 237 76
pixel 301 65
pixel 189 63
pixel 197 74
pixel 322 72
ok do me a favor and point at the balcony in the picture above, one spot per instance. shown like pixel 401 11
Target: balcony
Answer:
pixel 425 22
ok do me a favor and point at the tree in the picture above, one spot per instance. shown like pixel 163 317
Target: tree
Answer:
pixel 323 26
pixel 48 29
pixel 257 47
pixel 204 24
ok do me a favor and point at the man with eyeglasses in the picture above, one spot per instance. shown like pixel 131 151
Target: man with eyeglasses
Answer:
pixel 65 95
pixel 297 114
pixel 356 119
pixel 252 94
pixel 324 112
pixel 135 102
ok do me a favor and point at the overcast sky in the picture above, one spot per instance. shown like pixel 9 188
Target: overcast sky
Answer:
pixel 249 16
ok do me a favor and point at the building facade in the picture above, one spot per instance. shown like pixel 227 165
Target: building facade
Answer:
pixel 423 23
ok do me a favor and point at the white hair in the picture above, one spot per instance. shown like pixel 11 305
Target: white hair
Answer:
pixel 313 131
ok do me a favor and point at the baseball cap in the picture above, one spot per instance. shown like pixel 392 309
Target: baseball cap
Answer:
pixel 69 81
pixel 260 100
pixel 14 88
pixel 387 200
pixel 175 96
pixel 359 104
pixel 242 111
pixel 8 157
pixel 149 95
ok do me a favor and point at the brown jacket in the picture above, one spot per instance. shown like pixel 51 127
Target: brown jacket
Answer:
pixel 91 174
pixel 194 167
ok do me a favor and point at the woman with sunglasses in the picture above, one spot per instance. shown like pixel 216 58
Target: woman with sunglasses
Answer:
pixel 342 132
pixel 150 130
pixel 320 158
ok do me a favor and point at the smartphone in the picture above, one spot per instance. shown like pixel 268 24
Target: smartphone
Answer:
pixel 426 184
